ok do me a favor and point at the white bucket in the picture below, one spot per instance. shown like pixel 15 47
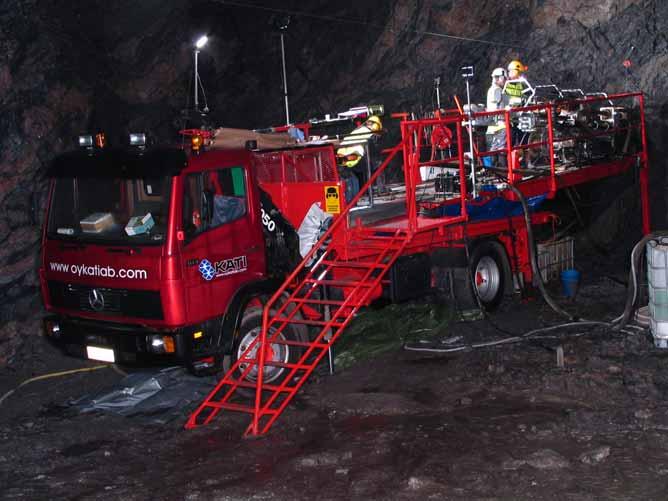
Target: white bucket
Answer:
pixel 657 277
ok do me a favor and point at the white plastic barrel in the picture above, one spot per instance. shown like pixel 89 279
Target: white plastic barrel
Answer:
pixel 657 277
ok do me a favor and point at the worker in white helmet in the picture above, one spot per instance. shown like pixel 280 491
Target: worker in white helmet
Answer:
pixel 495 136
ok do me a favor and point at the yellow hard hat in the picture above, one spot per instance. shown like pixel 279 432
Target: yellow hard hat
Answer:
pixel 517 66
pixel 350 156
pixel 373 123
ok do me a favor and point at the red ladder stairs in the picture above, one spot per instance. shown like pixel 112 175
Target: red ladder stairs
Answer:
pixel 375 251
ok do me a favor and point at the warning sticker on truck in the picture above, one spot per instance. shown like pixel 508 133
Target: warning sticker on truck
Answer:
pixel 332 199
pixel 222 268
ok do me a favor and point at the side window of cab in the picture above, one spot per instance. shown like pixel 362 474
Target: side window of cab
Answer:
pixel 213 198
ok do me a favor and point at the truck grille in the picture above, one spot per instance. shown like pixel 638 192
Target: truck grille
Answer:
pixel 121 302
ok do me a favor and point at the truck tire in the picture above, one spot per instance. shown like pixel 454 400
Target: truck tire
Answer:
pixel 251 326
pixel 486 272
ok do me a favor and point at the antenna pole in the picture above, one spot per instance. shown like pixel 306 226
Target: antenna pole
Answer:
pixel 285 80
pixel 467 73
pixel 196 81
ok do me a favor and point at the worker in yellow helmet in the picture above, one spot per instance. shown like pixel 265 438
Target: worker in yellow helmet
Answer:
pixel 352 149
pixel 518 89
pixel 516 83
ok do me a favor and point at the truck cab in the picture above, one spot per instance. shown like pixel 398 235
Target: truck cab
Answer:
pixel 166 255
pixel 124 292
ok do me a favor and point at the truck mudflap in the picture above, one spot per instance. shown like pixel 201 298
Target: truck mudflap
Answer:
pixel 122 344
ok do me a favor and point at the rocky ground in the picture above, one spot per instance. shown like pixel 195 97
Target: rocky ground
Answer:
pixel 497 423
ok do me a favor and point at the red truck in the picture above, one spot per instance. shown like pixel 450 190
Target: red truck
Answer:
pixel 189 255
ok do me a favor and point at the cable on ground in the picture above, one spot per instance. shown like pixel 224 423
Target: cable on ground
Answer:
pixel 62 373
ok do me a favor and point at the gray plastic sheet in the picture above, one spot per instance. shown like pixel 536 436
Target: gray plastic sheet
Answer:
pixel 162 395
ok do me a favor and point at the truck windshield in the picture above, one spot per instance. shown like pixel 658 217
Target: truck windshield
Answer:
pixel 111 210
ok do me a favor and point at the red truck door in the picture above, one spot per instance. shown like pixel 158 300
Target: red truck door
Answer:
pixel 223 247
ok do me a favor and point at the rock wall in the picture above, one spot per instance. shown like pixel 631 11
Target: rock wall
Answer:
pixel 127 66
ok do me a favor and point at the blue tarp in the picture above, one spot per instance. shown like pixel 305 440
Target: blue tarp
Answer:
pixel 493 208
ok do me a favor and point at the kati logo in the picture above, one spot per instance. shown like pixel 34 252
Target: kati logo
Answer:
pixel 222 268
pixel 207 270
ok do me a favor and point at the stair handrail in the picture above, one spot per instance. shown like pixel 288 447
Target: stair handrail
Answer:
pixel 337 223
pixel 254 427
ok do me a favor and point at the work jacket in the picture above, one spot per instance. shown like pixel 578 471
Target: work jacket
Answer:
pixel 496 100
pixel 514 89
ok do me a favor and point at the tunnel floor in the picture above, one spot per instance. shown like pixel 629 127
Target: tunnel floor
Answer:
pixel 515 421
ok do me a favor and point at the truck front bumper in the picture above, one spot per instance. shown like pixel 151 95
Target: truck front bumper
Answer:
pixel 123 344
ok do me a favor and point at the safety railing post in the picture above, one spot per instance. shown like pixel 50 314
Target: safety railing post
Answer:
pixel 550 149
pixel 463 192
pixel 407 143
pixel 509 146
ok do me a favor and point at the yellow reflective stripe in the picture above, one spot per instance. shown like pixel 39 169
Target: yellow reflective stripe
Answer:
pixel 514 89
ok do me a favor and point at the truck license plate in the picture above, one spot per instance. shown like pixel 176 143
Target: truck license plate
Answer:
pixel 102 354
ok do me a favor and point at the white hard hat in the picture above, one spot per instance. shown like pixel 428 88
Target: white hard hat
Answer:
pixel 499 72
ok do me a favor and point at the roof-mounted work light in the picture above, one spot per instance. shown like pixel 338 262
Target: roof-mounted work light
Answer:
pixel 201 41
pixel 86 141
pixel 89 141
pixel 199 45
pixel 138 139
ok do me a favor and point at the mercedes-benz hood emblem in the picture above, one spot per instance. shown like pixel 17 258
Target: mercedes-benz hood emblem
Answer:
pixel 96 300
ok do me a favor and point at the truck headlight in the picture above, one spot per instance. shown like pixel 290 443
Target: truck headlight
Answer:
pixel 161 344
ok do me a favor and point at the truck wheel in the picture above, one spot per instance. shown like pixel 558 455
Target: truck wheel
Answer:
pixel 251 327
pixel 486 274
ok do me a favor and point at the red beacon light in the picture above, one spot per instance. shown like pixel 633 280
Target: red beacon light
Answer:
pixel 196 142
pixel 197 138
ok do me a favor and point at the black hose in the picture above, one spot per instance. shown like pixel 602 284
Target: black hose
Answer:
pixel 532 258
pixel 618 323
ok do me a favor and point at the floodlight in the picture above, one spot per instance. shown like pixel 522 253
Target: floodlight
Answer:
pixel 137 139
pixel 86 141
pixel 201 41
